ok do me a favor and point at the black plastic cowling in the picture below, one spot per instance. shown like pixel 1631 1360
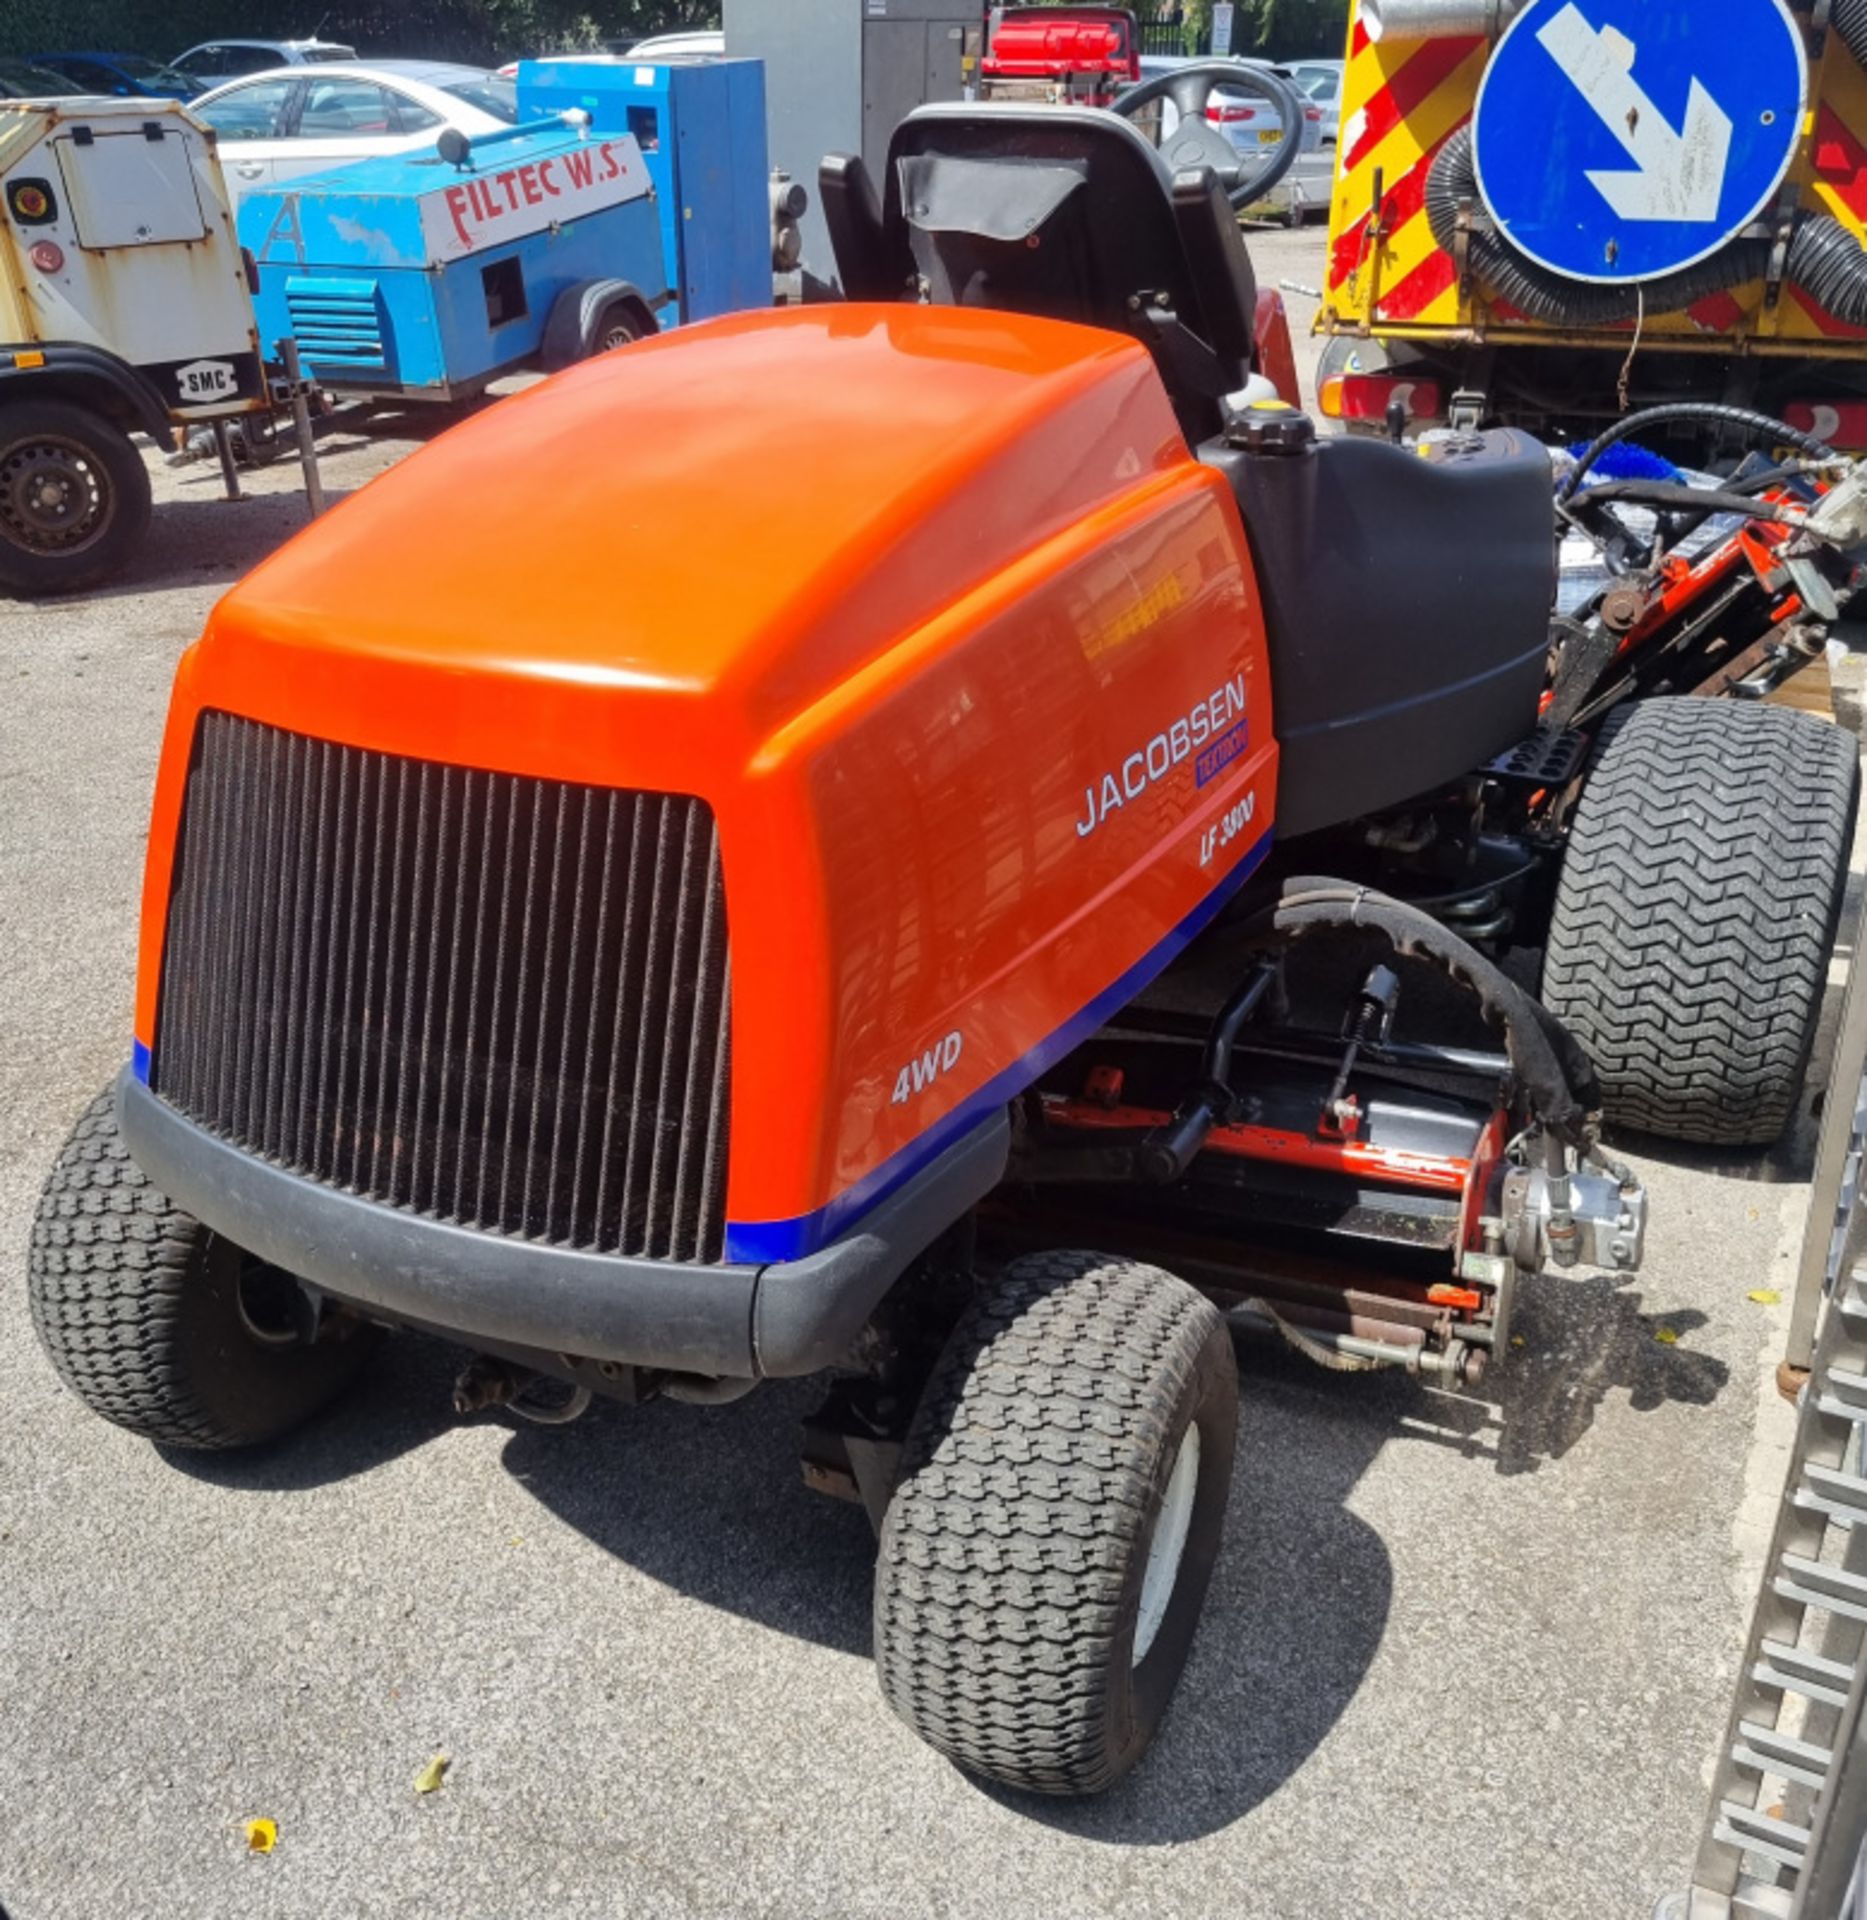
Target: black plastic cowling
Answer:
pixel 1406 609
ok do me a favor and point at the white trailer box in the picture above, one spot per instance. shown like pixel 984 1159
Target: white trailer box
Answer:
pixel 118 236
pixel 124 305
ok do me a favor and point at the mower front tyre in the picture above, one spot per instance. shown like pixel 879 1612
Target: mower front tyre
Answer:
pixel 1689 943
pixel 1046 1554
pixel 162 1326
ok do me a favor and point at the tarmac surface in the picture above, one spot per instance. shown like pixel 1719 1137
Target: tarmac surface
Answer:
pixel 1463 1656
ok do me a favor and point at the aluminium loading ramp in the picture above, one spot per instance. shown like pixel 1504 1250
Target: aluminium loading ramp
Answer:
pixel 1783 1836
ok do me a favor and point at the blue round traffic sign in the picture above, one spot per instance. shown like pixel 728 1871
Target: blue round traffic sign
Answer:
pixel 1620 139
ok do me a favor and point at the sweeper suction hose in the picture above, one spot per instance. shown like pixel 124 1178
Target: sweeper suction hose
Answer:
pixel 1549 297
pixel 1825 260
pixel 1829 265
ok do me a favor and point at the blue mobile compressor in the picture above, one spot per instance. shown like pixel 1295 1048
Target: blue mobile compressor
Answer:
pixel 632 197
pixel 428 275
pixel 700 125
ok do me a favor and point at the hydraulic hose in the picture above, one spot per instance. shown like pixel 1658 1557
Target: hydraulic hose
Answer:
pixel 1542 295
pixel 1752 425
pixel 1555 1073
pixel 1674 496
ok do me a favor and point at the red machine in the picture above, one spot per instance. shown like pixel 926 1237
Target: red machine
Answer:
pixel 735 911
pixel 1084 54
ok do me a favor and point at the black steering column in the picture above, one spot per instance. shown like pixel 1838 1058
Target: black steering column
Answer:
pixel 1196 143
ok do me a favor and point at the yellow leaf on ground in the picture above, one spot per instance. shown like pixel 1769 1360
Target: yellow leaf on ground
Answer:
pixel 428 1780
pixel 1666 1336
pixel 1764 1296
pixel 261 1836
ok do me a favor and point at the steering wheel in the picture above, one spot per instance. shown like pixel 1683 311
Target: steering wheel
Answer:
pixel 1197 143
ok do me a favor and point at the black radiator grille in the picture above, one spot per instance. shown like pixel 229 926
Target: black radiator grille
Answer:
pixel 497 1001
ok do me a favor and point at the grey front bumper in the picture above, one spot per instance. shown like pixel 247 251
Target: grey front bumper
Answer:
pixel 742 1321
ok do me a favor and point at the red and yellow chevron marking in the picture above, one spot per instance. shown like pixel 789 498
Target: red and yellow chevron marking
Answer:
pixel 1400 102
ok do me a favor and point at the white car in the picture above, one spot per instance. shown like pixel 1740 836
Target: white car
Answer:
pixel 297 120
pixel 703 45
pixel 215 62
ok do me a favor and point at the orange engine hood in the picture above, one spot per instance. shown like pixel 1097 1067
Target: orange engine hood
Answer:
pixel 933 608
pixel 746 512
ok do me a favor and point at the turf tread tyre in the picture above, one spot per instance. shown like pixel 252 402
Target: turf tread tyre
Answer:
pixel 1688 946
pixel 1007 1587
pixel 137 1314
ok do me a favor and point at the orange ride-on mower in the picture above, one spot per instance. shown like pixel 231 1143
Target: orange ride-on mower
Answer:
pixel 800 898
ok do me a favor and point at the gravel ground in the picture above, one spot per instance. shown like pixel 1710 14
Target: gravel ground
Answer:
pixel 1462 1657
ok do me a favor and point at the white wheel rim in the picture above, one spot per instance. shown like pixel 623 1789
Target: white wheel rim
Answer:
pixel 1169 1543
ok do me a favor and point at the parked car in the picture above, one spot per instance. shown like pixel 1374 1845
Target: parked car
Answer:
pixel 660 46
pixel 1321 83
pixel 21 80
pixel 296 120
pixel 118 75
pixel 215 62
pixel 680 46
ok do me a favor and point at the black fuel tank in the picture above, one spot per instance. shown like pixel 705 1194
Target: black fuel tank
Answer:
pixel 1407 603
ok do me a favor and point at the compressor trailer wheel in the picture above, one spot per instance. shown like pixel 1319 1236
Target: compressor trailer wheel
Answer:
pixel 1063 1491
pixel 74 497
pixel 1695 911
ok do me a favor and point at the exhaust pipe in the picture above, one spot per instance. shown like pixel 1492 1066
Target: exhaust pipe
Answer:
pixel 1437 19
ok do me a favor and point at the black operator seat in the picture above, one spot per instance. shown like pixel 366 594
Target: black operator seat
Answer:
pixel 1406 602
pixel 1063 212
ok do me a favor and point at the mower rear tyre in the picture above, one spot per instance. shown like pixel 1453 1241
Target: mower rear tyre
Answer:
pixel 1696 908
pixel 1046 1554
pixel 161 1326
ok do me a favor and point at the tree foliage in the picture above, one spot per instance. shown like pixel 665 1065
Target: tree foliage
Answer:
pixel 1266 29
pixel 477 30
pixel 1292 29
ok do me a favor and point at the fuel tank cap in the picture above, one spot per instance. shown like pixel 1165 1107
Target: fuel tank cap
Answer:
pixel 1270 426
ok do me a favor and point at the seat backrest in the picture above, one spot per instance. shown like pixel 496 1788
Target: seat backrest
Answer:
pixel 1065 212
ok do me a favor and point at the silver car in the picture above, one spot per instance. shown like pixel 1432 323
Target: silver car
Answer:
pixel 214 62
pixel 1320 82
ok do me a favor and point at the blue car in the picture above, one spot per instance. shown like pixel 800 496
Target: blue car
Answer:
pixel 121 75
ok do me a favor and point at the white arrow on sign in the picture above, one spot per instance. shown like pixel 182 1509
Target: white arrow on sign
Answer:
pixel 1679 175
